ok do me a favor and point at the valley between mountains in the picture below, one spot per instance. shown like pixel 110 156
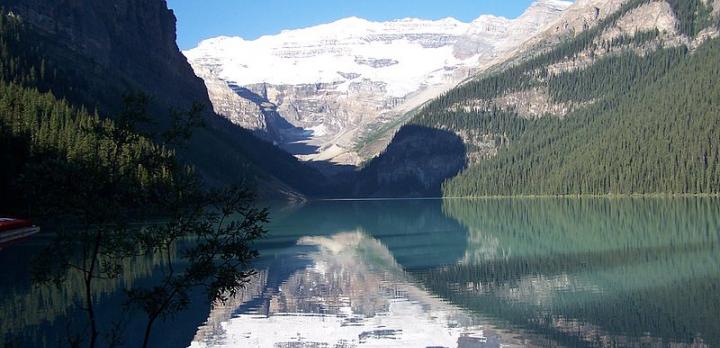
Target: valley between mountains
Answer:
pixel 565 99
pixel 337 92
pixel 592 97
pixel 549 180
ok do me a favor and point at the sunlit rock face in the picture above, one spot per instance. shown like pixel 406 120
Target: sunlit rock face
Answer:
pixel 534 100
pixel 332 92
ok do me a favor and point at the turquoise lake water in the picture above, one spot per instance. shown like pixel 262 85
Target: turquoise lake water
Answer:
pixel 635 272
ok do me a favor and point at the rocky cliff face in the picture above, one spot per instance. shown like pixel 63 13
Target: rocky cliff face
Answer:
pixel 326 92
pixel 103 49
pixel 534 101
pixel 654 21
pixel 129 41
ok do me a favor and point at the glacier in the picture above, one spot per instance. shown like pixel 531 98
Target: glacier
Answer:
pixel 337 92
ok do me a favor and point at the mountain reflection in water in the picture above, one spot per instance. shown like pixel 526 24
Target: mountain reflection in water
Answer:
pixel 484 273
pixel 635 272
pixel 353 294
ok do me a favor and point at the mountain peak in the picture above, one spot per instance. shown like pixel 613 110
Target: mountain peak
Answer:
pixel 352 20
pixel 313 76
pixel 542 7
pixel 489 18
pixel 554 4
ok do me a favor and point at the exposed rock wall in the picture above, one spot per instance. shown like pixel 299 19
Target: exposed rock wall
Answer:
pixel 338 89
pixel 104 49
pixel 132 40
pixel 654 15
pixel 582 15
pixel 528 103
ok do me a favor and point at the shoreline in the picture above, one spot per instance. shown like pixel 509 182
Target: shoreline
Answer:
pixel 583 196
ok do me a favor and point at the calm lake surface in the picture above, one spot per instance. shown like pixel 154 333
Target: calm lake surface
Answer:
pixel 637 272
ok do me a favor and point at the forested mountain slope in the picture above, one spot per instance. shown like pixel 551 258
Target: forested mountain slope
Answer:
pixel 627 106
pixel 91 53
pixel 338 91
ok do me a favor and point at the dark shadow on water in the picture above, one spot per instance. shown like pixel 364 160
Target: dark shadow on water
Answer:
pixel 37 317
pixel 579 272
pixel 417 226
pixel 42 316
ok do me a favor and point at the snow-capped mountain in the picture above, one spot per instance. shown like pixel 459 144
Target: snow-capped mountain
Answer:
pixel 324 93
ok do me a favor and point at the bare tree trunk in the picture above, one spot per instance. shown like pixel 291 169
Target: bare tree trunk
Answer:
pixel 148 329
pixel 155 315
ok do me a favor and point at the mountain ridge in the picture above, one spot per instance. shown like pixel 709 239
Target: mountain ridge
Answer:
pixel 327 87
pixel 622 106
pixel 94 52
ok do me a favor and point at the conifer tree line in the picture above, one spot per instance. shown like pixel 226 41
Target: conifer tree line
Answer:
pixel 90 176
pixel 39 132
pixel 31 58
pixel 38 129
pixel 691 14
pixel 652 124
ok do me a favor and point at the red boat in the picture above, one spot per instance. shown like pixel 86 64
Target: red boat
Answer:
pixel 12 230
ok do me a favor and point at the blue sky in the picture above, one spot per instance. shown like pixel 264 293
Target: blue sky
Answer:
pixel 249 19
